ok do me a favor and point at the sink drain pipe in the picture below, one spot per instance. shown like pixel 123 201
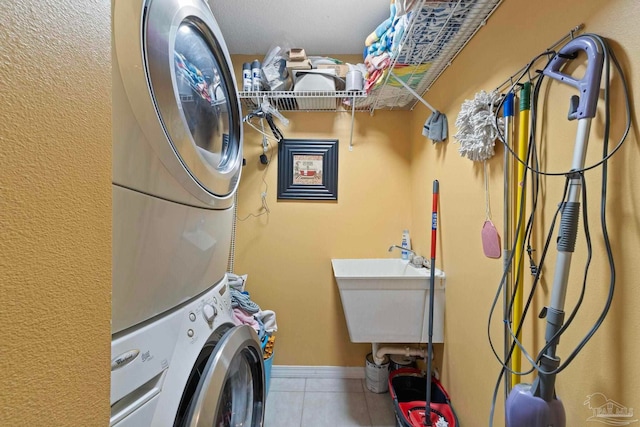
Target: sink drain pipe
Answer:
pixel 379 353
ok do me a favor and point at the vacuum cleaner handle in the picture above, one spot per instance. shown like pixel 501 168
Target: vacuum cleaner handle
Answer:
pixel 589 85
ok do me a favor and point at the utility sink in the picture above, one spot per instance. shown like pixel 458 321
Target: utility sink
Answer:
pixel 386 300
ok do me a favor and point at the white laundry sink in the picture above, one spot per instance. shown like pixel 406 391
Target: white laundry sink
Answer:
pixel 386 300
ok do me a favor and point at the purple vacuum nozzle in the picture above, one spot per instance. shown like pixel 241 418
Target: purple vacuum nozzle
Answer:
pixel 589 85
pixel 526 410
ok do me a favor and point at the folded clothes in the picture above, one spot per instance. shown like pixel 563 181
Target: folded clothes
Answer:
pixel 378 32
pixel 379 62
pixel 261 331
pixel 236 282
pixel 241 317
pixel 434 26
pixel 242 300
pixel 375 68
pixel 384 43
pixel 268 318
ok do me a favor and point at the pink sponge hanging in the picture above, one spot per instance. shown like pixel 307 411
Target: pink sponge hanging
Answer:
pixel 490 240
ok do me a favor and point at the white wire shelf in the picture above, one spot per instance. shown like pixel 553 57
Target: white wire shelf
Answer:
pixel 323 101
pixel 435 35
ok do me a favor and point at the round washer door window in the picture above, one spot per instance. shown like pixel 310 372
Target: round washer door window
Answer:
pixel 237 400
pixel 194 91
pixel 226 387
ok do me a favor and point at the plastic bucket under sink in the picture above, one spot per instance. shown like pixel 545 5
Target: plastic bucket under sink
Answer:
pixel 377 376
pixel 400 361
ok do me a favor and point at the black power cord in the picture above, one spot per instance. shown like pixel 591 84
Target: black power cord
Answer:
pixel 606 155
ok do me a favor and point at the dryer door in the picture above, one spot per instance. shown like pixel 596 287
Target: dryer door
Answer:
pixel 194 91
pixel 230 387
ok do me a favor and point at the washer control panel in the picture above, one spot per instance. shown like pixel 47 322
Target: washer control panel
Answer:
pixel 209 311
pixel 208 308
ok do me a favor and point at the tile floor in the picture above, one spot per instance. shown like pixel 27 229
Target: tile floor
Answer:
pixel 326 402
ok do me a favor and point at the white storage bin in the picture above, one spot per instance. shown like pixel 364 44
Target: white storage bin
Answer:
pixel 310 81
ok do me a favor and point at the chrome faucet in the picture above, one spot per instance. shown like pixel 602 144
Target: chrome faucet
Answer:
pixel 414 259
pixel 413 254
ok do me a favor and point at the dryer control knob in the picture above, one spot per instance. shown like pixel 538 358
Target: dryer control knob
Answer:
pixel 209 312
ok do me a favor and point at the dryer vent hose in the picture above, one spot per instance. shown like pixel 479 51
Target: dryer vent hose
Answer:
pixel 232 248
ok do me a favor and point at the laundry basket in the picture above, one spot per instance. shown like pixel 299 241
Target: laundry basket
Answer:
pixel 268 351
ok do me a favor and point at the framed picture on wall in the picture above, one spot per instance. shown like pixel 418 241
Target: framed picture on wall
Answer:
pixel 308 169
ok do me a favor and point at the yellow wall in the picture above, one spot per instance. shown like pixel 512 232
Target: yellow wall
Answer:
pixel 55 216
pixel 55 213
pixel 288 259
pixel 517 32
pixel 288 254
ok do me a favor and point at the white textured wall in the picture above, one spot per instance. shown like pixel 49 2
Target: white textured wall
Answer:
pixel 55 212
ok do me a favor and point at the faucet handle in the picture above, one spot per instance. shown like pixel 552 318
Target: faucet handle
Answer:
pixel 419 261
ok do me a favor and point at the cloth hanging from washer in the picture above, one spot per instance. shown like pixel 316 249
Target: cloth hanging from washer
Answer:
pixel 436 127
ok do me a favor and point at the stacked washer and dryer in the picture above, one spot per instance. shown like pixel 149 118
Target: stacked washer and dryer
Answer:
pixel 177 357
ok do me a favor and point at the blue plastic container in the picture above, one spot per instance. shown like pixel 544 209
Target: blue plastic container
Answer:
pixel 268 363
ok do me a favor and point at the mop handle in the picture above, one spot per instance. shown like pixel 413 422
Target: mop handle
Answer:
pixel 434 225
pixel 434 219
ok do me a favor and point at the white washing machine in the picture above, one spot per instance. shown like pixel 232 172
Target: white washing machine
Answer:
pixel 177 156
pixel 191 367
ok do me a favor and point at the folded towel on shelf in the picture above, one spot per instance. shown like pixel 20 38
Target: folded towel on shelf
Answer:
pixel 375 68
pixel 434 27
pixel 399 27
pixel 378 32
pixel 436 127
pixel 383 44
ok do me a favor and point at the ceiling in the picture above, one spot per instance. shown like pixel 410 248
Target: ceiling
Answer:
pixel 325 27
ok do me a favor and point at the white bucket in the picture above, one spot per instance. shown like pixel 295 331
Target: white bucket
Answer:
pixel 377 376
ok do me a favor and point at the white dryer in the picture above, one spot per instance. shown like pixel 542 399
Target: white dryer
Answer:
pixel 189 368
pixel 177 155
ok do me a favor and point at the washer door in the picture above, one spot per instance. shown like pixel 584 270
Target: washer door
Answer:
pixel 229 384
pixel 193 88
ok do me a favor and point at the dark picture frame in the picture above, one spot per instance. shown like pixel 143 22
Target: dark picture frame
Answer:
pixel 308 169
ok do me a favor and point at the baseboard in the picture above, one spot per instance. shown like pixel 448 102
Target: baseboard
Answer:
pixel 291 371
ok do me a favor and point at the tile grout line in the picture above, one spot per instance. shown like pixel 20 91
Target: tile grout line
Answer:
pixel 368 421
pixel 366 402
pixel 304 391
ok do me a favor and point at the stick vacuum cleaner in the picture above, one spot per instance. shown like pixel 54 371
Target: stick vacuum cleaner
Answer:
pixel 536 405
